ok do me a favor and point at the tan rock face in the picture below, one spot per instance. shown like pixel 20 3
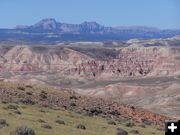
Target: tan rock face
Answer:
pixel 129 62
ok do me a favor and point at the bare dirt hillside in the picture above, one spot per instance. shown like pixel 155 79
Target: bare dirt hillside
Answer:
pixel 147 77
pixel 118 63
pixel 71 101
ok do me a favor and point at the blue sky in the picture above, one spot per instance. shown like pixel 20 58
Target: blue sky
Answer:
pixel 154 13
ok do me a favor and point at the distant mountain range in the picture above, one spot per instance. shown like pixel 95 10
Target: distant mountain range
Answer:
pixel 51 31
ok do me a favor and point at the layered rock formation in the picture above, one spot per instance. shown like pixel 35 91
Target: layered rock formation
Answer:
pixel 147 77
pixel 127 62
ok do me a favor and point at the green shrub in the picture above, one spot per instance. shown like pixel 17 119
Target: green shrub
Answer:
pixel 23 131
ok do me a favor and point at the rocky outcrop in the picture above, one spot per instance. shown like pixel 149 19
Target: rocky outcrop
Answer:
pixel 68 100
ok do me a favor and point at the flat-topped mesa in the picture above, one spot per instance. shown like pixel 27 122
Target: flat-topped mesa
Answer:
pixel 46 24
pixel 51 24
pixel 49 31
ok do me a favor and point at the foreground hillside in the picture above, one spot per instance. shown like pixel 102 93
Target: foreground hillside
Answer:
pixel 52 112
pixel 44 121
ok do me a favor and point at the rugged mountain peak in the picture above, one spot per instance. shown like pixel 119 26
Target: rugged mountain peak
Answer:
pixel 48 23
pixel 91 27
pixel 91 24
pixel 86 31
